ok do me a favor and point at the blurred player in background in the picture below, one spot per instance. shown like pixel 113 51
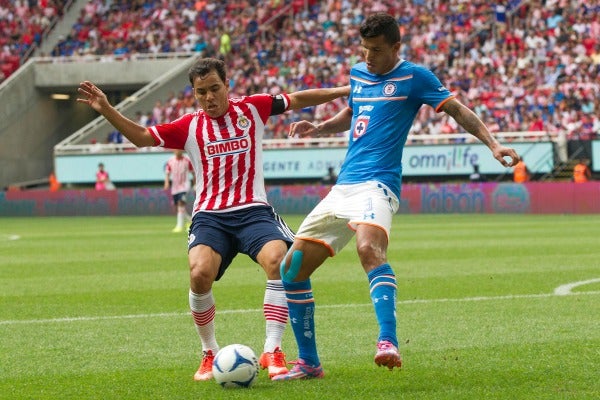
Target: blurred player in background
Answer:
pixel 386 94
pixel 179 178
pixel 102 178
pixel 231 214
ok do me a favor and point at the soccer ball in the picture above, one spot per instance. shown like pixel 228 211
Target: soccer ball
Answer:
pixel 234 366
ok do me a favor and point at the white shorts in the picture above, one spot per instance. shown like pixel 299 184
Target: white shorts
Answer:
pixel 334 220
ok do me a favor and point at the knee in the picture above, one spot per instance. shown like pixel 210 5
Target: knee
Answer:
pixel 371 254
pixel 272 260
pixel 366 249
pixel 201 277
pixel 271 264
pixel 290 266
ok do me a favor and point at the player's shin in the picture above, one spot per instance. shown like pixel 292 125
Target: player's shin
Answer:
pixel 202 307
pixel 382 284
pixel 301 307
pixel 276 314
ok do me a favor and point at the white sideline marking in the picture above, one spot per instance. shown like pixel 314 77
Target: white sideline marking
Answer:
pixel 416 301
pixel 564 290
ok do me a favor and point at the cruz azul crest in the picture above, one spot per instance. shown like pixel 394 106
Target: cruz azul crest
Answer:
pixel 389 89
pixel 360 127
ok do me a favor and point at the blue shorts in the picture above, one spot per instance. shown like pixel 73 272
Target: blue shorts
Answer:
pixel 181 196
pixel 243 231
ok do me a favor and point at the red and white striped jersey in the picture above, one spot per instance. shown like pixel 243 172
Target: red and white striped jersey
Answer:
pixel 226 152
pixel 179 171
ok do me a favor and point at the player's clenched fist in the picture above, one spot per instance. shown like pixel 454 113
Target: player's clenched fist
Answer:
pixel 303 128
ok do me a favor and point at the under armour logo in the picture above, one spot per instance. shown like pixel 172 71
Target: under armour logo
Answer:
pixel 385 297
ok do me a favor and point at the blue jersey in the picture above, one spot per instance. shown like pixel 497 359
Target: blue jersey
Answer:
pixel 383 110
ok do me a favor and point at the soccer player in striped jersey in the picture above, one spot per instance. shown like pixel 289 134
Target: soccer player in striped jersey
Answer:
pixel 386 94
pixel 177 178
pixel 231 214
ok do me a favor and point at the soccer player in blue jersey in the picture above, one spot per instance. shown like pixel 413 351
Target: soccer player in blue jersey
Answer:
pixel 386 94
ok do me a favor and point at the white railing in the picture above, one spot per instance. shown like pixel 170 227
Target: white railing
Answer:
pixel 446 138
pixel 333 141
pixel 92 58
pixel 65 145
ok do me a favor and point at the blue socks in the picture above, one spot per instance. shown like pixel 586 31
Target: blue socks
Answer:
pixel 382 286
pixel 301 306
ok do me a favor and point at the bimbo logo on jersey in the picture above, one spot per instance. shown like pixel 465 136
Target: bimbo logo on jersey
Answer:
pixel 228 146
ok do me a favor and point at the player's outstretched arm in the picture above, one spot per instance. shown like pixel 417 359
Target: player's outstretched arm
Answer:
pixel 466 118
pixel 313 97
pixel 95 98
pixel 339 123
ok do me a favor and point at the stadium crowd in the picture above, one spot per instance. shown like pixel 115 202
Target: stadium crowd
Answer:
pixel 22 26
pixel 521 65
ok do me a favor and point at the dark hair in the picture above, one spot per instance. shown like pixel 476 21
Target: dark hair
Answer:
pixel 381 24
pixel 205 66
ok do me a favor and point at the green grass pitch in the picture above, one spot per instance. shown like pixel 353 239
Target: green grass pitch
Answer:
pixel 96 308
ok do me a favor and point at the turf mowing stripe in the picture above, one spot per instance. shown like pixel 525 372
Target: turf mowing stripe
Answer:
pixel 415 301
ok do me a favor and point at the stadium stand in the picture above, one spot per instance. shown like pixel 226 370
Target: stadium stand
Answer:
pixel 521 65
pixel 462 41
pixel 23 25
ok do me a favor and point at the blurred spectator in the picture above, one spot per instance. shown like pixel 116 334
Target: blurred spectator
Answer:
pixel 330 178
pixel 22 23
pixel 114 137
pixel 95 147
pixel 519 65
pixel 53 183
pixel 521 172
pixel 476 176
pixel 581 172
